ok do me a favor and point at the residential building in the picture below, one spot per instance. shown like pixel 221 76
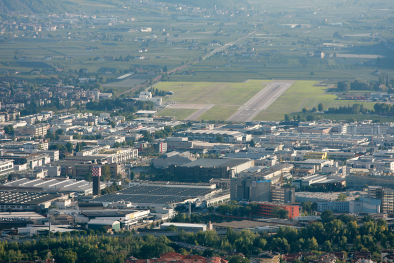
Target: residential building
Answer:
pixel 111 140
pixel 6 167
pixel 268 257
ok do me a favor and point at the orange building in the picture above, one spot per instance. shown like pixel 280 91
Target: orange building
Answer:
pixel 266 209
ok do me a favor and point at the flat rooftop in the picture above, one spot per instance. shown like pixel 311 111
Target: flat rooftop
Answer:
pixel 217 162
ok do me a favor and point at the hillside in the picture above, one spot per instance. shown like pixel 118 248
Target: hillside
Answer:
pixel 33 6
pixel 207 3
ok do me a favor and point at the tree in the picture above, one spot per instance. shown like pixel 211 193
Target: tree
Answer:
pixel 326 216
pixel 60 132
pixel 172 228
pixel 69 147
pixel 165 69
pixel 280 213
pixel 311 244
pixel 252 143
pixel 342 197
pixel 237 259
pixel 343 86
pixel 327 246
pixel 88 177
pixel 287 117
pixel 105 172
pixel 9 129
pixel 320 107
pixel 304 110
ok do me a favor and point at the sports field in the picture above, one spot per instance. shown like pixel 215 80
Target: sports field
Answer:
pixel 226 97
pixel 303 94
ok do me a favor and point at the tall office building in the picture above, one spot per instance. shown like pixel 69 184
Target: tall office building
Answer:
pixel 96 174
pixel 282 195
pixel 250 188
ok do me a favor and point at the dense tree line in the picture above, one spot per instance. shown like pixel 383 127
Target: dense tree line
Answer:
pixel 344 86
pixel 331 234
pixel 86 249
pixel 109 105
pixel 354 109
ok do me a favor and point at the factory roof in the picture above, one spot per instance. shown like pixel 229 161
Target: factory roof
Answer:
pixel 25 198
pixel 183 224
pixel 102 222
pixel 217 162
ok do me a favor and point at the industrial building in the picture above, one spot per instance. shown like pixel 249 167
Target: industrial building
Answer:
pixel 212 135
pixel 26 201
pixel 358 181
pixel 186 227
pixel 81 187
pixel 98 224
pixel 159 194
pixel 204 169
pixel 126 217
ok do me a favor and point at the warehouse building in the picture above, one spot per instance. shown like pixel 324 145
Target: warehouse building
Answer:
pixel 163 194
pixel 26 201
pixel 81 187
pixel 186 227
pixel 126 217
pixel 99 224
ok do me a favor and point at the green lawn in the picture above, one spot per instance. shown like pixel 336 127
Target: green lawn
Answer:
pixel 226 96
pixel 212 92
pixel 219 112
pixel 303 94
pixel 180 114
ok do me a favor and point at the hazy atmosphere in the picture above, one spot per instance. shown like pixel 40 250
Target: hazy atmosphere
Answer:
pixel 252 131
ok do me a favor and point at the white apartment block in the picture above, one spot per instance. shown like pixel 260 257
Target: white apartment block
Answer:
pixel 6 167
pixel 111 140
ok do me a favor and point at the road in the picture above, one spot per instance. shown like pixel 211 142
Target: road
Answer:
pixel 225 46
pixel 261 101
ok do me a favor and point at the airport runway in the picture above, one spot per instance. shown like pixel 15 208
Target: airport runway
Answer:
pixel 261 100
pixel 198 113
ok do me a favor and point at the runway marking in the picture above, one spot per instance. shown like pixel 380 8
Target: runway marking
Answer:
pixel 261 100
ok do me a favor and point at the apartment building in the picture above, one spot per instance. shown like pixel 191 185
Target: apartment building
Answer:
pixel 6 167
pixel 32 130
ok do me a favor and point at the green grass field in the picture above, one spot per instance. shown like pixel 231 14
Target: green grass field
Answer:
pixel 303 94
pixel 180 114
pixel 219 112
pixel 227 97
pixel 212 92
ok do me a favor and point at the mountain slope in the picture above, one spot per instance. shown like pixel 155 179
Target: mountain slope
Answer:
pixel 33 6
